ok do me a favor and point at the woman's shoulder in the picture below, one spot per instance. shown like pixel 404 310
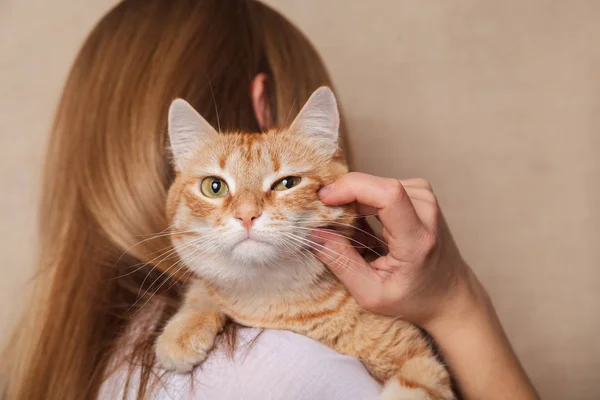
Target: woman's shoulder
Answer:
pixel 277 365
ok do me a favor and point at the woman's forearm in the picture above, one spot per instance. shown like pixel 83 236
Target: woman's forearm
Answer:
pixel 477 350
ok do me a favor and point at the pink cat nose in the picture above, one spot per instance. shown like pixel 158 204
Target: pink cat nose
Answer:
pixel 247 216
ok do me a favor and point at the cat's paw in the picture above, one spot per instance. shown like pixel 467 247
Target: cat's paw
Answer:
pixel 180 348
pixel 394 391
pixel 419 378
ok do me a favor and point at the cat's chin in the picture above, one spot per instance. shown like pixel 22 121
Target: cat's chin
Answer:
pixel 251 251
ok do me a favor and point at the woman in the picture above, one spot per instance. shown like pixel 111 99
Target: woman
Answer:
pixel 101 295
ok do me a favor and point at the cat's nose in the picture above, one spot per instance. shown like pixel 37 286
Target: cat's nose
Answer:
pixel 247 216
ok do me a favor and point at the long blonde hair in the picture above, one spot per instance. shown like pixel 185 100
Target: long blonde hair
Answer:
pixel 107 173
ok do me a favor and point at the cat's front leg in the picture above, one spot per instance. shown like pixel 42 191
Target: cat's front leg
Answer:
pixel 190 334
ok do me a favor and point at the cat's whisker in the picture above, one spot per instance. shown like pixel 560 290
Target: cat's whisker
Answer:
pixel 214 102
pixel 352 215
pixel 318 220
pixel 289 113
pixel 296 249
pixel 158 235
pixel 172 252
pixel 163 273
pixel 157 289
pixel 186 277
pixel 344 215
pixel 175 281
pixel 320 248
pixel 179 265
pixel 142 266
pixel 336 233
pixel 352 264
pixel 359 246
pixel 166 230
pixel 164 257
pixel 357 229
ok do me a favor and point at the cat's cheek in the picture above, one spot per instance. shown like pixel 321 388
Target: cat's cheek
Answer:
pixel 329 214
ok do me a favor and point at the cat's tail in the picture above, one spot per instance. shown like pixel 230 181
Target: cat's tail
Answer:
pixel 419 378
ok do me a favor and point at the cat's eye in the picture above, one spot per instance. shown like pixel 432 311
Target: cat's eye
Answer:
pixel 286 183
pixel 214 187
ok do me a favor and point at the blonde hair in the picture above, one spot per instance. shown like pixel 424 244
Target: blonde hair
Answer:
pixel 107 173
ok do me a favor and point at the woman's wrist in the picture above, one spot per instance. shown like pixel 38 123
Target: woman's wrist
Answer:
pixel 466 300
pixel 471 339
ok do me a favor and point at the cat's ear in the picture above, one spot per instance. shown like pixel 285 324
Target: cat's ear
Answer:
pixel 187 130
pixel 319 120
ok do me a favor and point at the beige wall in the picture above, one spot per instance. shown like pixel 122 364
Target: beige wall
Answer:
pixel 496 102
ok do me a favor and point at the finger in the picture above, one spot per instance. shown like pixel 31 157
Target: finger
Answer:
pixel 344 261
pixel 426 206
pixel 388 196
pixel 418 193
pixel 417 183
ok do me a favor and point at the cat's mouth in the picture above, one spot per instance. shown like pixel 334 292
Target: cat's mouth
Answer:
pixel 250 245
pixel 250 240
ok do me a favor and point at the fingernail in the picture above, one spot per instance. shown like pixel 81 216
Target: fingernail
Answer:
pixel 325 190
pixel 315 237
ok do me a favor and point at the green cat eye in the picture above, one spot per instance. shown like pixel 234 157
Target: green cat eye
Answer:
pixel 214 187
pixel 286 183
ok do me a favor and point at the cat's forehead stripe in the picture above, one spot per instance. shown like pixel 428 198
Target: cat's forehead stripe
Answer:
pixel 276 161
pixel 246 155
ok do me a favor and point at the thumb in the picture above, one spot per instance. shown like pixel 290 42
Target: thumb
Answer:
pixel 338 254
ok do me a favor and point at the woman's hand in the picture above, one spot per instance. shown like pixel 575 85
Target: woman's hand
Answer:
pixel 422 273
pixel 424 280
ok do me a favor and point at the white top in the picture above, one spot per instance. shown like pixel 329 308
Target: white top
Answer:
pixel 279 365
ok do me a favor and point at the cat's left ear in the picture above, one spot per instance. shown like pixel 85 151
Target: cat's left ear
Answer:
pixel 187 130
pixel 319 120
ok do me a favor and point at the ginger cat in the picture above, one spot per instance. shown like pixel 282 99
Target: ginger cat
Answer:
pixel 241 207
